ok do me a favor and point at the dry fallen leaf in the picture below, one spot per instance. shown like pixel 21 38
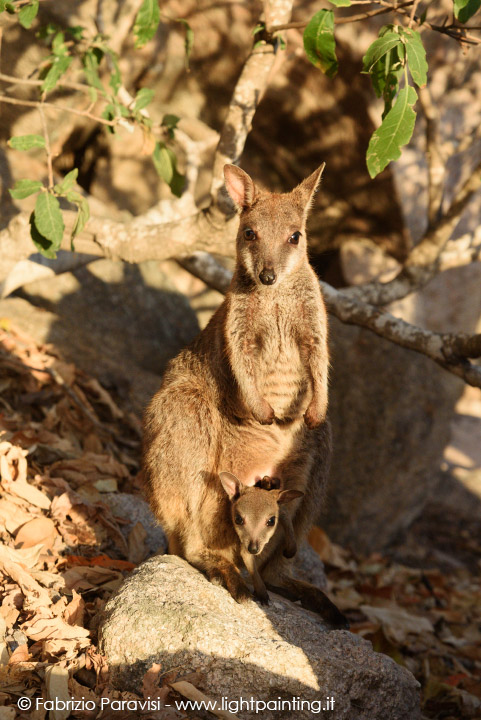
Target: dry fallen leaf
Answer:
pixel 20 654
pixel 150 681
pixel 396 622
pixel 28 557
pixel 41 530
pixel 41 628
pixel 191 693
pixel 136 541
pixel 56 681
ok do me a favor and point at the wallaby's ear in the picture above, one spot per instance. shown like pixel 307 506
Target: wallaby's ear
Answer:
pixel 286 496
pixel 239 186
pixel 308 187
pixel 230 483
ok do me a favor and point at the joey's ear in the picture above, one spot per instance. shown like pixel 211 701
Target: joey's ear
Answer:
pixel 230 483
pixel 239 186
pixel 286 496
pixel 308 187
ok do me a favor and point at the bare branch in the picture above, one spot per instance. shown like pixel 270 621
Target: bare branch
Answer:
pixel 344 20
pixel 248 93
pixel 47 146
pixel 436 161
pixel 422 262
pixel 59 108
pixel 450 350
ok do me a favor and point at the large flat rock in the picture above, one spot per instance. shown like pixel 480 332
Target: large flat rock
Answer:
pixel 168 613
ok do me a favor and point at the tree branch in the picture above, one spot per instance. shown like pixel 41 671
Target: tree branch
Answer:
pixel 343 20
pixel 248 92
pixel 449 350
pixel 436 162
pixel 422 262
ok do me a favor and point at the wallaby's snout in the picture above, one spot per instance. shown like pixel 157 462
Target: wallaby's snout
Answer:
pixel 253 548
pixel 268 276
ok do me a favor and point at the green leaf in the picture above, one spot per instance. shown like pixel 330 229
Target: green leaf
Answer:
pixel 146 22
pixel 189 40
pixel 24 188
pixel 416 56
pixel 28 13
pixel 91 61
pixel 2 5
pixel 59 67
pixel 10 8
pixel 395 131
pixel 319 42
pixel 165 163
pixel 465 9
pixel 67 183
pixel 115 76
pixel 143 98
pixel 58 44
pixel 379 48
pixel 170 122
pixel 48 218
pixel 341 3
pixel 43 244
pixel 76 31
pixel 26 142
pixel 258 28
pixel 82 215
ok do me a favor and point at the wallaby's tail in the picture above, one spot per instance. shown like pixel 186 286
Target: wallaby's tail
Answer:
pixel 312 599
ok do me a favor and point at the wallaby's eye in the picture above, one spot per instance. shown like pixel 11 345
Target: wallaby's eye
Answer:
pixel 271 521
pixel 239 520
pixel 249 234
pixel 294 238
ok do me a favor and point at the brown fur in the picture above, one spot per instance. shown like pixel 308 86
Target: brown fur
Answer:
pixel 254 515
pixel 253 385
pixel 290 544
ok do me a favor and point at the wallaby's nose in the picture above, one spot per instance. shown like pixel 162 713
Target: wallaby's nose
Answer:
pixel 253 548
pixel 268 276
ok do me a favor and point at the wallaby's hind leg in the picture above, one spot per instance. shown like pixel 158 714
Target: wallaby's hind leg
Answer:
pixel 290 544
pixel 276 570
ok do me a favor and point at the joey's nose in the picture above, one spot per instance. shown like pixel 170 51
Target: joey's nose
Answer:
pixel 268 276
pixel 253 548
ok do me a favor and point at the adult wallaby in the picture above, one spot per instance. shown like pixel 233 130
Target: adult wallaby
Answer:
pixel 248 396
pixel 254 515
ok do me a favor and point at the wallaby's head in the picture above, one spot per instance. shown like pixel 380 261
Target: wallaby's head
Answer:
pixel 255 511
pixel 271 241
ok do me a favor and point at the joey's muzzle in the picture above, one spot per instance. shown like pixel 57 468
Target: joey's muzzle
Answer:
pixel 268 276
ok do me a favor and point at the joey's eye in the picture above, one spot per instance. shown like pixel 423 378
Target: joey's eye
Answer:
pixel 294 238
pixel 271 521
pixel 249 234
pixel 239 520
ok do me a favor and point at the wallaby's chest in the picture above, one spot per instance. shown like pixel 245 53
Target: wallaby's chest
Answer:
pixel 281 374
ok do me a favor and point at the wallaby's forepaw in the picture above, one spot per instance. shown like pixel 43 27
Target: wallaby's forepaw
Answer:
pixel 241 593
pixel 314 415
pixel 264 414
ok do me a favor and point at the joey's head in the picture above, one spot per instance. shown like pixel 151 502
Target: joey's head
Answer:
pixel 271 241
pixel 254 511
